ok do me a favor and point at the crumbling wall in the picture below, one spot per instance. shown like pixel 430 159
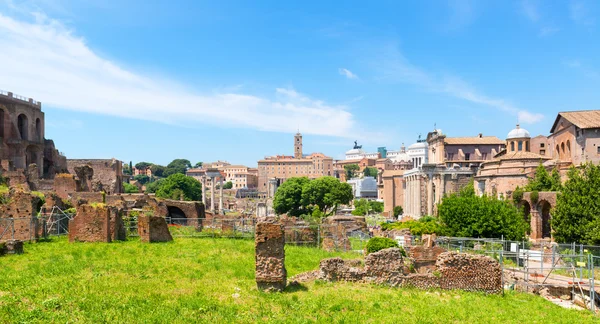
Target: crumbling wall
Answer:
pixel 92 224
pixel 11 247
pixel 469 272
pixel 107 174
pixel 424 258
pixel 64 184
pixel 20 215
pixel 271 274
pixel 153 229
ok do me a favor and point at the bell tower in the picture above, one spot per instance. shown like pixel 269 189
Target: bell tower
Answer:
pixel 298 146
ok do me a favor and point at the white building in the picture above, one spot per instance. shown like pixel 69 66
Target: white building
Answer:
pixel 364 188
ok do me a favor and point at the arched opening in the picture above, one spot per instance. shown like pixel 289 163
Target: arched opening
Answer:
pixel 557 151
pixel 520 145
pixel 568 146
pixel 22 125
pixel 512 146
pixel 562 148
pixel 527 214
pixel 544 210
pixel 527 146
pixel 2 123
pixel 176 216
pixel 30 155
pixel 38 129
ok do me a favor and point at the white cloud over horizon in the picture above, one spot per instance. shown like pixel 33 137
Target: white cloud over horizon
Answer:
pixel 347 73
pixel 44 60
pixel 394 66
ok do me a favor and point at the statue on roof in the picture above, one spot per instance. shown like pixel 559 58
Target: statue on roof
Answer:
pixel 356 146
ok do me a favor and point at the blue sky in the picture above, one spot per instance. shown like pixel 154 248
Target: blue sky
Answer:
pixel 159 80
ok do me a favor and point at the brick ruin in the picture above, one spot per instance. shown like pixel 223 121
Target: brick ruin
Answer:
pixel 153 229
pixel 19 215
pixel 452 271
pixel 271 274
pixel 96 223
pixel 11 247
pixel 337 229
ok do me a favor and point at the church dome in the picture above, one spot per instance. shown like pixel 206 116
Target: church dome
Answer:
pixel 418 145
pixel 518 133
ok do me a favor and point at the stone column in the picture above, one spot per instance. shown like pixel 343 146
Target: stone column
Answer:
pixel 204 190
pixel 221 195
pixel 271 274
pixel 429 194
pixel 212 194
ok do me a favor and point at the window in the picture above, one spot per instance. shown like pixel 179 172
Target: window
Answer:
pixel 542 144
pixel 467 156
pixel 450 156
pixel 512 146
pixel 520 145
pixel 598 149
pixel 484 156
pixel 542 152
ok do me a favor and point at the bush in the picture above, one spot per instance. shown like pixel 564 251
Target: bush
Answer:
pixel 398 211
pixel 425 225
pixel 517 195
pixel 379 243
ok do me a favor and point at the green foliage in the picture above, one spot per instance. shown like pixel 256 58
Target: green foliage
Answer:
pixel 517 195
pixel 298 196
pixel 71 211
pixel 192 280
pixel 351 170
pixel 424 225
pixel 370 172
pixel 327 193
pixel 228 185
pixel 143 165
pixel 142 178
pixel 198 165
pixel 127 169
pixel 534 196
pixel 363 207
pixel 398 211
pixel 379 243
pixel 576 217
pixel 468 215
pixel 152 187
pixel 542 181
pixel 129 188
pixel 178 185
pixel 288 197
pixel 177 166
pixel 157 170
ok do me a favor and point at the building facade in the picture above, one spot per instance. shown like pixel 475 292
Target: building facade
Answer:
pixel 283 167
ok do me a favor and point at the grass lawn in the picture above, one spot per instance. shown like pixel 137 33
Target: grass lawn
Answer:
pixel 212 280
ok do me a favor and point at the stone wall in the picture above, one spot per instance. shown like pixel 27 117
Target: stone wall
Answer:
pixel 424 258
pixel 153 229
pixel 64 184
pixel 452 271
pixel 92 224
pixel 271 274
pixel 107 174
pixel 20 217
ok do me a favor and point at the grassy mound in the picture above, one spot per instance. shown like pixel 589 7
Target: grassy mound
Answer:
pixel 212 280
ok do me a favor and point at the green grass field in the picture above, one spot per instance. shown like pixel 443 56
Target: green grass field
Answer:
pixel 212 280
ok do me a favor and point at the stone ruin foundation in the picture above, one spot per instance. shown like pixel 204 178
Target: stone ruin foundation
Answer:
pixel 271 274
pixel 11 247
pixel 452 271
pixel 153 229
pixel 96 223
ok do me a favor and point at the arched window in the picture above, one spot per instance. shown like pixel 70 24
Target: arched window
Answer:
pixel 562 148
pixel 569 147
pixel 22 125
pixel 520 145
pixel 557 151
pixel 512 146
pixel 38 129
pixel 527 146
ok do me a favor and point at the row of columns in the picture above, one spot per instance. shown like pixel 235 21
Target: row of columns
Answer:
pixel 212 192
pixel 412 195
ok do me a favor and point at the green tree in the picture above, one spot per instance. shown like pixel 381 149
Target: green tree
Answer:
pixel 468 215
pixel 129 188
pixel 198 165
pixel 228 185
pixel 398 211
pixel 288 197
pixel 177 166
pixel 576 217
pixel 127 169
pixel 141 178
pixel 327 193
pixel 351 170
pixel 370 172
pixel 176 185
pixel 157 170
pixel 143 165
pixel 152 187
pixel 542 181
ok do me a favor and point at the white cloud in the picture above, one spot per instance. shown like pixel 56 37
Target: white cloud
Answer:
pixel 347 73
pixel 46 61
pixel 394 66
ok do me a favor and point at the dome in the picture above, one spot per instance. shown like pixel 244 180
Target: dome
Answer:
pixel 518 133
pixel 401 157
pixel 418 145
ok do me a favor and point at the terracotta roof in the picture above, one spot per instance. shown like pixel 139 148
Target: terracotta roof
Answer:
pixel 521 155
pixel 483 140
pixel 583 119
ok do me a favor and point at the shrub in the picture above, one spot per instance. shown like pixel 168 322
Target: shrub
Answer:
pixel 517 195
pixel 398 211
pixel 379 243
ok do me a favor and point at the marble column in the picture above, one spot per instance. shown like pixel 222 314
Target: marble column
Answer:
pixel 221 195
pixel 204 191
pixel 212 194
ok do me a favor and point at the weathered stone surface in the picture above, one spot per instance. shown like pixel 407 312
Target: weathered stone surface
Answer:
pixel 64 184
pixel 385 262
pixel 92 224
pixel 117 227
pixel 271 274
pixel 11 247
pixel 105 175
pixel 153 229
pixel 469 272
pixel 424 258
pixel 336 269
pixel 21 221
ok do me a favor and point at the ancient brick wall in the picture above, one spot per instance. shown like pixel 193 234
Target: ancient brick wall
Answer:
pixel 64 184
pixel 270 256
pixel 469 272
pixel 21 213
pixel 92 224
pixel 107 174
pixel 153 229
pixel 191 209
pixel 424 258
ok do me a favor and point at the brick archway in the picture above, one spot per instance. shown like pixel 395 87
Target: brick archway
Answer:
pixel 539 212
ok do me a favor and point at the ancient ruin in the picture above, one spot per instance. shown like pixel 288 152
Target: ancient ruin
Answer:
pixel 271 274
pixel 96 223
pixel 20 216
pixel 11 247
pixel 153 229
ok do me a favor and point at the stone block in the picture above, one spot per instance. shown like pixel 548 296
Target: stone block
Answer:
pixel 12 247
pixel 153 229
pixel 271 274
pixel 92 224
